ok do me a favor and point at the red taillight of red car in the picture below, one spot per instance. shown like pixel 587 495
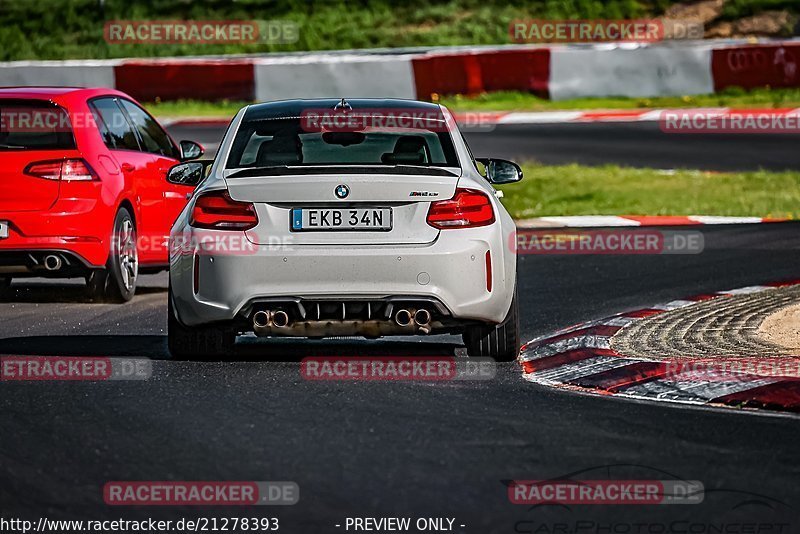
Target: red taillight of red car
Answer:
pixel 68 170
pixel 216 210
pixel 469 208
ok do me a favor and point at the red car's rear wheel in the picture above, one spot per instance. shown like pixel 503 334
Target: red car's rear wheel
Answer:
pixel 5 284
pixel 117 282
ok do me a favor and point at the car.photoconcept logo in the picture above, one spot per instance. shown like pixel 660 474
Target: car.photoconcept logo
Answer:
pixel 342 191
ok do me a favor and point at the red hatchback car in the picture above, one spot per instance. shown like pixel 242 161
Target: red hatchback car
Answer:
pixel 83 189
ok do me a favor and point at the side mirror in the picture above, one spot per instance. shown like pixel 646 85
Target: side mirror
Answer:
pixel 191 150
pixel 190 173
pixel 501 171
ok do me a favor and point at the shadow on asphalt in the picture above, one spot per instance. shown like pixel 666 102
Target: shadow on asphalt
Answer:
pixel 58 294
pixel 246 349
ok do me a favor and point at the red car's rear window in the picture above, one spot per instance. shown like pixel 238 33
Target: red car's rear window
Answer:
pixel 34 125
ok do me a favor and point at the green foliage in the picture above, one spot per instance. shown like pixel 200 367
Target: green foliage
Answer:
pixel 730 97
pixel 58 29
pixel 735 9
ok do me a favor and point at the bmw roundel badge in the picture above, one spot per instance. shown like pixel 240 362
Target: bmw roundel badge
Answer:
pixel 342 191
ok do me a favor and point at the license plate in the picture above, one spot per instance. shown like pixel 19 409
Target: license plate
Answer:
pixel 332 219
pixel 3 229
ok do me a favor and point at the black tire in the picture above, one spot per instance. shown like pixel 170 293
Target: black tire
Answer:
pixel 203 343
pixel 500 342
pixel 96 284
pixel 5 285
pixel 117 282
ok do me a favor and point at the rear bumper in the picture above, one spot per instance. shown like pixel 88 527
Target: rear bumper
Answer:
pixel 40 263
pixel 79 228
pixel 451 270
pixel 90 252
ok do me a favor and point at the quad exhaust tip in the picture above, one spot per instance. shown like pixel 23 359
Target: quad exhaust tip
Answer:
pixel 280 319
pixel 263 319
pixel 422 317
pixel 403 317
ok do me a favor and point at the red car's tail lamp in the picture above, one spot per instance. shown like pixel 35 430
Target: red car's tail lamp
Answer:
pixel 469 208
pixel 68 170
pixel 216 210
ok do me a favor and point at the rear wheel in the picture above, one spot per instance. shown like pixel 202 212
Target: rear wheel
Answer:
pixel 500 342
pixel 5 285
pixel 96 284
pixel 117 282
pixel 206 342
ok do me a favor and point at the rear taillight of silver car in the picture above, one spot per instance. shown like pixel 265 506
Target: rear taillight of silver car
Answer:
pixel 216 210
pixel 469 208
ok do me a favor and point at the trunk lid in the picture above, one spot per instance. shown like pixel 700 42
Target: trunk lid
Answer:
pixel 31 130
pixel 407 194
pixel 22 192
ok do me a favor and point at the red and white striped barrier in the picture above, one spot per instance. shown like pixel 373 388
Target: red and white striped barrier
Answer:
pixel 557 72
pixel 70 73
pixel 174 79
pixel 630 70
pixel 321 75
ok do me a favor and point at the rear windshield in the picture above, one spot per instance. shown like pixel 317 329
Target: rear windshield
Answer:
pixel 34 125
pixel 300 141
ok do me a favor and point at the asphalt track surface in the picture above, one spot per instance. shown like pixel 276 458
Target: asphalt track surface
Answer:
pixel 394 449
pixel 634 144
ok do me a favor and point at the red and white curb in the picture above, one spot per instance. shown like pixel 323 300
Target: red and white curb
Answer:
pixel 605 221
pixel 611 115
pixel 581 358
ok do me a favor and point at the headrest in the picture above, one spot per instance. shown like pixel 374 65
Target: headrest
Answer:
pixel 285 150
pixel 410 149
